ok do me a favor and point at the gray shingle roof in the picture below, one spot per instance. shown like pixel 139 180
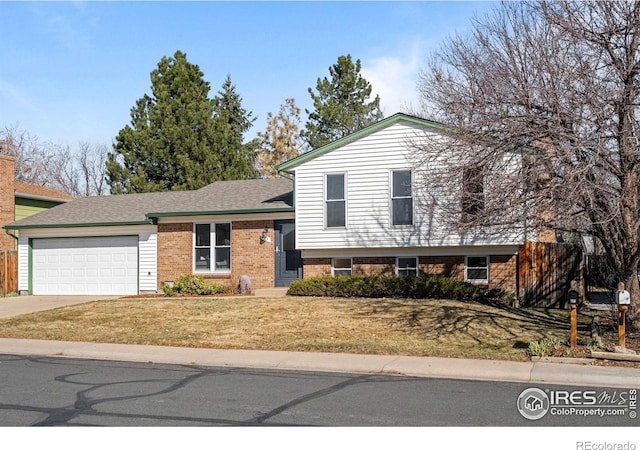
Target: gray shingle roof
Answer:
pixel 220 197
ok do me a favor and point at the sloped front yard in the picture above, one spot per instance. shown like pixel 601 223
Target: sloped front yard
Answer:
pixel 369 326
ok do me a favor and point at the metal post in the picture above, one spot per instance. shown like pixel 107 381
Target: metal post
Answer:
pixel 574 326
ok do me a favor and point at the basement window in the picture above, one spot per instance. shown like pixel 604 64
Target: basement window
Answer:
pixel 341 267
pixel 476 269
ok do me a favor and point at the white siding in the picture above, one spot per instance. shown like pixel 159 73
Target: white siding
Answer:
pixel 368 163
pixel 148 262
pixel 23 263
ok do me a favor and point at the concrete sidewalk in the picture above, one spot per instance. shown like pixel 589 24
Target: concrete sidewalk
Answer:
pixel 523 372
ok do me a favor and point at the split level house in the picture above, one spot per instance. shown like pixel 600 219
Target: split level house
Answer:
pixel 352 207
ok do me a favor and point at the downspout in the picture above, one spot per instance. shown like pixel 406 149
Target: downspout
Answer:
pixel 6 230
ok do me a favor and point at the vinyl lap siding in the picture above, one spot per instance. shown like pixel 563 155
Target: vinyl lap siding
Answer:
pixel 147 262
pixel 367 163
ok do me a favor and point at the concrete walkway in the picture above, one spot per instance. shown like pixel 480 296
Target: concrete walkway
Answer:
pixel 523 372
pixel 24 304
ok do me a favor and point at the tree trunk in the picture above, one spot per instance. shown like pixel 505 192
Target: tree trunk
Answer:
pixel 633 314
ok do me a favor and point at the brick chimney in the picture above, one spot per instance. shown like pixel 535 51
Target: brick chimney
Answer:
pixel 7 200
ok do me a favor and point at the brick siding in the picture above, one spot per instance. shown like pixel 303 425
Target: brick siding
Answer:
pixel 7 200
pixel 502 269
pixel 175 251
pixel 248 256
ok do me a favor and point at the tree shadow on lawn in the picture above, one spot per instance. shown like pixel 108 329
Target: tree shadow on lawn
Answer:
pixel 476 322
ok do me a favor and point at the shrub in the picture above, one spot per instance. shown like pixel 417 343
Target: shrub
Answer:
pixel 393 287
pixel 193 285
pixel 544 347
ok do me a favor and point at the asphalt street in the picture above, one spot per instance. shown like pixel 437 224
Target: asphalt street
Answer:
pixel 50 391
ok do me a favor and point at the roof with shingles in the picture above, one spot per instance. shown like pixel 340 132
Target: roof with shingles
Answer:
pixel 232 197
pixel 26 189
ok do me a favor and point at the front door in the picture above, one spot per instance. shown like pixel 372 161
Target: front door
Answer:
pixel 288 259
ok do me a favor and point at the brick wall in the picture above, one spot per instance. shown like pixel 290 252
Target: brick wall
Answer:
pixel 175 250
pixel 444 266
pixel 502 270
pixel 248 255
pixel 316 267
pixel 374 266
pixel 7 200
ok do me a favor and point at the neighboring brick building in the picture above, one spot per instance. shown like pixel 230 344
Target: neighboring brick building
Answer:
pixel 21 200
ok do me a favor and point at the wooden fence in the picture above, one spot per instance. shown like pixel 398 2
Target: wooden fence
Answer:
pixel 545 271
pixel 8 272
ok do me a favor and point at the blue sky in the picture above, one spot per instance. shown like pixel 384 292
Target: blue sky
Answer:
pixel 72 71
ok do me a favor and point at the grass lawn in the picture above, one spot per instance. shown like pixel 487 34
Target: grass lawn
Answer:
pixel 368 326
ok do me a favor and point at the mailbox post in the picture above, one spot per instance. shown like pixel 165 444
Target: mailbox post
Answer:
pixel 623 299
pixel 573 303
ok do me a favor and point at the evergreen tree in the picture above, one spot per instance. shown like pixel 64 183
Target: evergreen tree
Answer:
pixel 176 140
pixel 341 104
pixel 229 110
pixel 281 140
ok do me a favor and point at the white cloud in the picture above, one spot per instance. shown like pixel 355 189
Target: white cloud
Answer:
pixel 394 77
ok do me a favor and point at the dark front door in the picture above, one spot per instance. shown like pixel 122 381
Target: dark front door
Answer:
pixel 288 259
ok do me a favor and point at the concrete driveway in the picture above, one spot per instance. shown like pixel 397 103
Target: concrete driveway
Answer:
pixel 24 304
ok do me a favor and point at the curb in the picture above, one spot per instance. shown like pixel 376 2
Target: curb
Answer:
pixel 543 372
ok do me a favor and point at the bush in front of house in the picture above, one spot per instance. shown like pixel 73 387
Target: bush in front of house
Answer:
pixel 394 287
pixel 193 285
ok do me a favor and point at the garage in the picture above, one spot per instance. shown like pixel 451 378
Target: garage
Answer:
pixel 85 266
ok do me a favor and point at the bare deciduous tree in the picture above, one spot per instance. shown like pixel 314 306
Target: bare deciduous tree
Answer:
pixel 32 158
pixel 551 90
pixel 79 173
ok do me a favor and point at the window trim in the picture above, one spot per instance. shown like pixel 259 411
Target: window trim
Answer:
pixel 333 268
pixel 212 248
pixel 417 264
pixel 327 201
pixel 393 197
pixel 467 267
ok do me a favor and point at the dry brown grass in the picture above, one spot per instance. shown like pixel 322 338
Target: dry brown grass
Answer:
pixel 367 326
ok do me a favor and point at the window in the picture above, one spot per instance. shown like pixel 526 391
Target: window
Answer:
pixel 335 200
pixel 407 267
pixel 401 198
pixel 472 192
pixel 341 266
pixel 476 269
pixel 216 257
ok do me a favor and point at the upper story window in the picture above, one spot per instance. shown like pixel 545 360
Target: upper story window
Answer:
pixel 212 252
pixel 472 192
pixel 335 209
pixel 401 198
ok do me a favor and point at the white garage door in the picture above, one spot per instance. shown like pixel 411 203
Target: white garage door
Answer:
pixel 85 266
